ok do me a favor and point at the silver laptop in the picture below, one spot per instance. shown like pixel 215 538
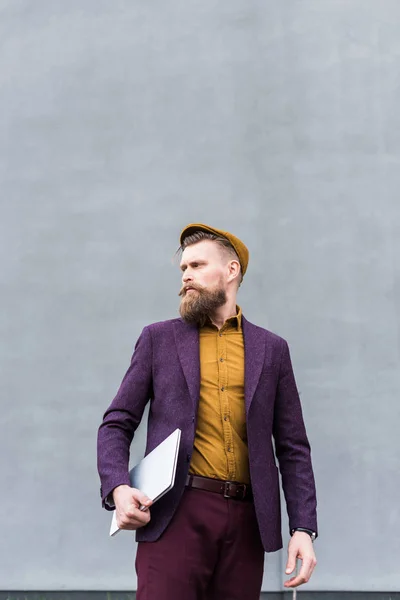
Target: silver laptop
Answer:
pixel 155 474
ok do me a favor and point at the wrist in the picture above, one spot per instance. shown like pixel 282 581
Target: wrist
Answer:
pixel 313 535
pixel 116 491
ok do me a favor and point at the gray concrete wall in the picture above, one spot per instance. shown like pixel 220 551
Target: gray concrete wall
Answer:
pixel 120 123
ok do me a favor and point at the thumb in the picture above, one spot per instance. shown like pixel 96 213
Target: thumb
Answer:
pixel 141 497
pixel 291 562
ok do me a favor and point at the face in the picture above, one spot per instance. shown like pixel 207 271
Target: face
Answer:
pixel 205 276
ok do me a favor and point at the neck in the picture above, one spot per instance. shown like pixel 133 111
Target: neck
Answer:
pixel 224 312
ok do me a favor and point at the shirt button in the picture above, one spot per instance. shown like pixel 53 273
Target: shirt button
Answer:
pixel 221 360
pixel 229 449
pixel 226 418
pixel 220 335
pixel 222 389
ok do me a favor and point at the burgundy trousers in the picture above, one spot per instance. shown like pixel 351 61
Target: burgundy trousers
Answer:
pixel 211 550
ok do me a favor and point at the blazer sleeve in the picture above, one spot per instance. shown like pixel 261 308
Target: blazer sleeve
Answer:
pixel 122 418
pixel 293 449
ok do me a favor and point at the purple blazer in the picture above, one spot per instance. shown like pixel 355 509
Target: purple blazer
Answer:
pixel 165 369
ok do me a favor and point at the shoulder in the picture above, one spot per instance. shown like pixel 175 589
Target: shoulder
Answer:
pixel 163 325
pixel 154 332
pixel 270 336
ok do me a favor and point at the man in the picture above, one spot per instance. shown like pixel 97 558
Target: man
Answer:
pixel 229 386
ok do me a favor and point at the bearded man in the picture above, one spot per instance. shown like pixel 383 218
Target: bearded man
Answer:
pixel 229 386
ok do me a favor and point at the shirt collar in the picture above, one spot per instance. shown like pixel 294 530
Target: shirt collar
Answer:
pixel 237 319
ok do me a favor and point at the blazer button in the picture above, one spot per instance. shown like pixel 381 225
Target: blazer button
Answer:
pixel 188 457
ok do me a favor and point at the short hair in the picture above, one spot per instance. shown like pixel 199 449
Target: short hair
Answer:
pixel 199 236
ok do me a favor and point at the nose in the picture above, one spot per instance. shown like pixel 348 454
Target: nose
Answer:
pixel 187 276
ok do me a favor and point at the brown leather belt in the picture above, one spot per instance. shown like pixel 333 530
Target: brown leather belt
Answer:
pixel 229 489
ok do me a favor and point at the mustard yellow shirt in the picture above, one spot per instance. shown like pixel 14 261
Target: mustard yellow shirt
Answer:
pixel 220 445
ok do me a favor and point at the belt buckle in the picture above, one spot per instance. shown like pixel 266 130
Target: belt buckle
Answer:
pixel 239 486
pixel 227 485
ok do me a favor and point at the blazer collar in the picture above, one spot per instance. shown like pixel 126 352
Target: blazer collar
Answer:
pixel 254 356
pixel 187 342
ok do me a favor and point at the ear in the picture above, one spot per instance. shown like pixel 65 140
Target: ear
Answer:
pixel 234 270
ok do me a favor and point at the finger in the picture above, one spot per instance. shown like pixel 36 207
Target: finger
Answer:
pixel 291 561
pixel 313 564
pixel 133 519
pixel 134 513
pixel 293 582
pixel 134 523
pixel 302 577
pixel 140 497
pixel 305 568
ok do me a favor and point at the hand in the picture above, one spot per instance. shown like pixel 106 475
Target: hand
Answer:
pixel 127 502
pixel 300 546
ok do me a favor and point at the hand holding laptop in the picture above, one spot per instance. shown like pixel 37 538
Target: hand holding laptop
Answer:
pixel 150 479
pixel 132 507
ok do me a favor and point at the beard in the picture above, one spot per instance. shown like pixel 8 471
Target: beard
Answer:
pixel 196 308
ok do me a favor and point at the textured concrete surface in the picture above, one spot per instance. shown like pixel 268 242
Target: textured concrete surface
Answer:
pixel 120 123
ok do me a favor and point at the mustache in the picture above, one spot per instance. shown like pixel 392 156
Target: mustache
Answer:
pixel 192 286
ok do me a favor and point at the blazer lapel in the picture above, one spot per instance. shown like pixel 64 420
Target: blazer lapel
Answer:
pixel 254 355
pixel 187 343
